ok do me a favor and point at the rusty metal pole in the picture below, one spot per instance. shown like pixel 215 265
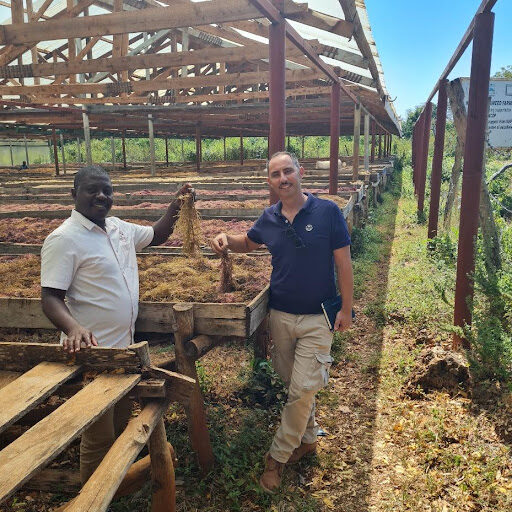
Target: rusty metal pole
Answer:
pixel 372 154
pixel 198 146
pixel 424 140
pixel 335 138
pixel 241 149
pixel 472 170
pixel 55 152
pixel 413 156
pixel 123 137
pixel 437 163
pixel 277 84
pixel 357 136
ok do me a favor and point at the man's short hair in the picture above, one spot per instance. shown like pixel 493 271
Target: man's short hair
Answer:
pixel 91 170
pixel 295 160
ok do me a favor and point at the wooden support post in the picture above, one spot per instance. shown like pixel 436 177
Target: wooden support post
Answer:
pixel 277 85
pixel 437 163
pixel 241 149
pixel 151 145
pixel 366 142
pixel 87 137
pixel 55 151
pixel 357 134
pixel 162 471
pixel 184 48
pixel 224 143
pixel 10 151
pixel 198 430
pixel 288 143
pixel 123 141
pixel 335 138
pixel 380 146
pixel 78 151
pixel 113 149
pixel 372 154
pixel 166 150
pixel 198 146
pixel 182 150
pixel 63 154
pixel 26 150
pixel 472 170
pixel 302 146
pixel 422 169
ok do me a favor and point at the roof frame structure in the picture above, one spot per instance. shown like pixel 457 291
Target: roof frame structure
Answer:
pixel 221 67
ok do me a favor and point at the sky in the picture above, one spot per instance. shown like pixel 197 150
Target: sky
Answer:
pixel 416 39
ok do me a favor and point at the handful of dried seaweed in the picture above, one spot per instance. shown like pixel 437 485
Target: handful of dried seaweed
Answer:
pixel 226 283
pixel 189 227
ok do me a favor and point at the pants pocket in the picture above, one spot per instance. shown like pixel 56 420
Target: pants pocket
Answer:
pixel 319 374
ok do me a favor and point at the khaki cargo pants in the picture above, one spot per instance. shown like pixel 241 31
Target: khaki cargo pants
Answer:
pixel 100 436
pixel 301 346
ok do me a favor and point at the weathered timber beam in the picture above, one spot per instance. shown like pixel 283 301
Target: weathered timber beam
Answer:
pixel 199 98
pixel 111 89
pixel 133 62
pixel 323 21
pixel 13 51
pixel 22 356
pixel 217 11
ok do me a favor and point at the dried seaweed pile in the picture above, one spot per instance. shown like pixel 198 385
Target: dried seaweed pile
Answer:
pixel 17 207
pixel 34 231
pixel 162 278
pixel 27 230
pixel 197 279
pixel 188 226
pixel 340 201
pixel 19 276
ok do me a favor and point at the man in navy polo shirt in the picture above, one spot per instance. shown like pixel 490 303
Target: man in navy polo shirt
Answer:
pixel 306 237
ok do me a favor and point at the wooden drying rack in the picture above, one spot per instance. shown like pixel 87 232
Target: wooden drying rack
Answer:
pixel 31 372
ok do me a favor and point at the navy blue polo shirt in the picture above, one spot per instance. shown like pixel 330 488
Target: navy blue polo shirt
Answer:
pixel 302 253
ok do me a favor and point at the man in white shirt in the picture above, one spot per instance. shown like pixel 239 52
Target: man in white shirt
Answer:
pixel 90 260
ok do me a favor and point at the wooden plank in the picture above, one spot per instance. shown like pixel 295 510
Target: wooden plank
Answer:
pixel 16 356
pixel 144 86
pixel 183 15
pixel 31 389
pixel 163 481
pixel 7 377
pixel 56 481
pixel 257 314
pixel 44 441
pixel 144 61
pixel 211 318
pixel 101 487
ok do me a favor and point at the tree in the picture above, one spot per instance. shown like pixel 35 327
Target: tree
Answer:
pixel 504 72
pixel 412 117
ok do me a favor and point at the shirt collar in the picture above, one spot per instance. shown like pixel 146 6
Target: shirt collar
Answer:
pixel 87 223
pixel 307 206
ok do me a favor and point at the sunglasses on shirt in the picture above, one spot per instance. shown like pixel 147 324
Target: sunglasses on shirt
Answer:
pixel 291 233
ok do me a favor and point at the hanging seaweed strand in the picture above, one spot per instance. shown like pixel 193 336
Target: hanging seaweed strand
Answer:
pixel 189 227
pixel 226 284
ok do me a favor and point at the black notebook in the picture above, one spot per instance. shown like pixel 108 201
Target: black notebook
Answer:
pixel 330 308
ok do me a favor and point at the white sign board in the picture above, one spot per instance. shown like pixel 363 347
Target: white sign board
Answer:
pixel 499 124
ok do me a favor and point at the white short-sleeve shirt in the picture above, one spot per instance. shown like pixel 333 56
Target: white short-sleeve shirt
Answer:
pixel 98 269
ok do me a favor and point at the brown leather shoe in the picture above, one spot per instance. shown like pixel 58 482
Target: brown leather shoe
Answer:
pixel 300 451
pixel 271 478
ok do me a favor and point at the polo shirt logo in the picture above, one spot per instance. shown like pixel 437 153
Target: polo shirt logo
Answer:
pixel 309 227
